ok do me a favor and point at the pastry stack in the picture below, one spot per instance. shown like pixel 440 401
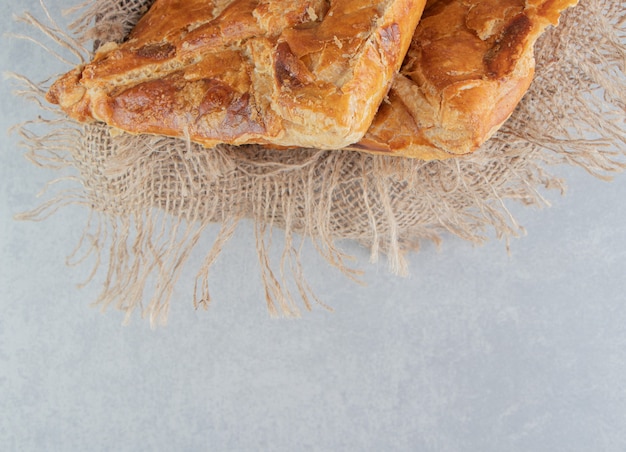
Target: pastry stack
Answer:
pixel 426 79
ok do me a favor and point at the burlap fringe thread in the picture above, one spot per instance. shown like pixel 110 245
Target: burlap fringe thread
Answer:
pixel 152 198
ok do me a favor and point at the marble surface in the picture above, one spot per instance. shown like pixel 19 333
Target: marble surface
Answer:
pixel 476 350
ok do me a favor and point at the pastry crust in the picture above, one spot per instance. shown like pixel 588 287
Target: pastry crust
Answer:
pixel 298 73
pixel 469 64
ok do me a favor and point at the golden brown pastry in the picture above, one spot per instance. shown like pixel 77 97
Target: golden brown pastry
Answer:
pixel 307 73
pixel 469 64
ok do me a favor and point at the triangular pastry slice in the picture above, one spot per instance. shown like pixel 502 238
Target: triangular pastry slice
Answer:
pixel 469 64
pixel 306 73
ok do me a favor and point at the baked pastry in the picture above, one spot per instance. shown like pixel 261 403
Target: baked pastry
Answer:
pixel 469 64
pixel 298 73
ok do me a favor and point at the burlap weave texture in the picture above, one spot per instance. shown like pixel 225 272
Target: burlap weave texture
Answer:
pixel 152 197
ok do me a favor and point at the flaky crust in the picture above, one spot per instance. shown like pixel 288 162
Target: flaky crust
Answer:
pixel 306 73
pixel 469 64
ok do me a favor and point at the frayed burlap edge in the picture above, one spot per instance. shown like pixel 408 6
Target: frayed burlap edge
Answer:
pixel 151 199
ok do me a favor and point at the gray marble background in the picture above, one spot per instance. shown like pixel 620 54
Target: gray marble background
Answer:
pixel 476 350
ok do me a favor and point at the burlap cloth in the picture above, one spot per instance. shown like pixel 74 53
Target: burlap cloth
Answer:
pixel 152 198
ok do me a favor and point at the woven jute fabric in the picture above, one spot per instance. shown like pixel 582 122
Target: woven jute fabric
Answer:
pixel 152 198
